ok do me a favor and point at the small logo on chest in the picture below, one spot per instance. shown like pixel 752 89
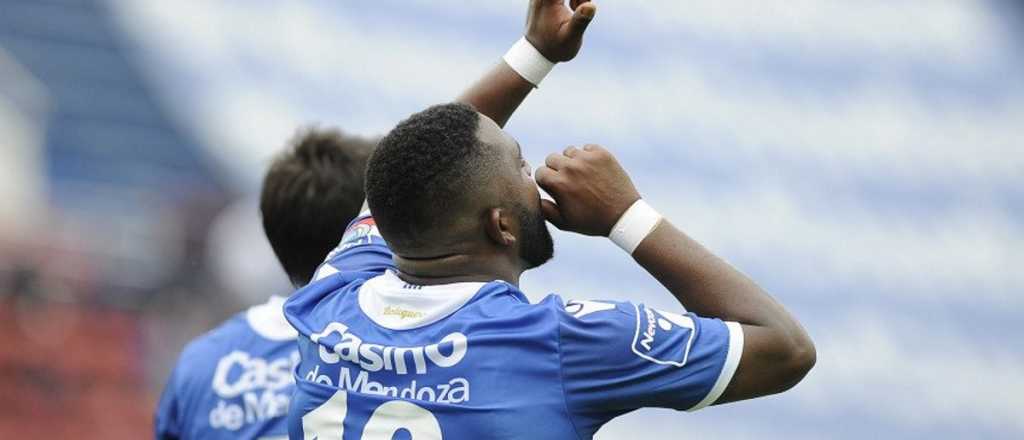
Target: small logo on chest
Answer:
pixel 402 313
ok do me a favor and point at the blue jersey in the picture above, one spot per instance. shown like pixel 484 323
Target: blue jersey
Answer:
pixel 234 382
pixel 384 359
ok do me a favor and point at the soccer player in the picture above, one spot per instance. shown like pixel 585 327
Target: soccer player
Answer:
pixel 236 381
pixel 415 326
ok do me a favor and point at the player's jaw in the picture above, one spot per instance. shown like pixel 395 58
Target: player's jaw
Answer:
pixel 516 186
pixel 536 246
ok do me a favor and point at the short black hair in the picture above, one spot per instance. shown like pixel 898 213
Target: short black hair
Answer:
pixel 311 192
pixel 422 170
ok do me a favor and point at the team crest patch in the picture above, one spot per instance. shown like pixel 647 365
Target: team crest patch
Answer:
pixel 359 230
pixel 663 337
pixel 359 233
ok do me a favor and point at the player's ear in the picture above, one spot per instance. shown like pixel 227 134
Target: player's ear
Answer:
pixel 498 226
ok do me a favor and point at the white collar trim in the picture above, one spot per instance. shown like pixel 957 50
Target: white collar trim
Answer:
pixel 397 305
pixel 268 320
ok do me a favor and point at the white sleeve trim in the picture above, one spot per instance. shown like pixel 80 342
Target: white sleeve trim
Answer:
pixel 732 360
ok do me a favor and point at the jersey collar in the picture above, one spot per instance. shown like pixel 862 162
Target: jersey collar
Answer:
pixel 397 305
pixel 268 321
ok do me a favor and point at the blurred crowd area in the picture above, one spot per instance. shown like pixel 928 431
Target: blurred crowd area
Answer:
pixel 861 160
pixel 106 210
pixel 85 342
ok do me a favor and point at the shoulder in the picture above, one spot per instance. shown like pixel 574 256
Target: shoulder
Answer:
pixel 571 319
pixel 585 310
pixel 200 356
pixel 622 329
pixel 323 300
pixel 223 335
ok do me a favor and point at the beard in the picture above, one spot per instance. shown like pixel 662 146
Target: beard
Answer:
pixel 536 246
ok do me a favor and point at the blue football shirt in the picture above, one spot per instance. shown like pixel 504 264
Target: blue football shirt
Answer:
pixel 234 382
pixel 385 359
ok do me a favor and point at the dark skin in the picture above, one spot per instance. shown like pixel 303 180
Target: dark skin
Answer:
pixel 483 244
pixel 557 33
pixel 591 191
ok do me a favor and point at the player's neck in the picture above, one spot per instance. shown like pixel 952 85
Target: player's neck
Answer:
pixel 456 268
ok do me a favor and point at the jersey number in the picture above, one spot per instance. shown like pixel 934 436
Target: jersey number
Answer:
pixel 327 422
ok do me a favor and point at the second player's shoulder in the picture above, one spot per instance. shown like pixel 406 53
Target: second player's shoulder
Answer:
pixel 217 339
pixel 199 357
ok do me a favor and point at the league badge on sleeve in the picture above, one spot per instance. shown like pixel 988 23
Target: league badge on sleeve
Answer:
pixel 662 337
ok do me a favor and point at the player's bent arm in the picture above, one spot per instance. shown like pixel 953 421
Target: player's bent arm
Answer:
pixel 777 352
pixel 592 194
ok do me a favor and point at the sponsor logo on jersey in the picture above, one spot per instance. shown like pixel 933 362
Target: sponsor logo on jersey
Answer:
pixel 251 389
pixel 455 390
pixel 375 357
pixel 662 337
pixel 402 313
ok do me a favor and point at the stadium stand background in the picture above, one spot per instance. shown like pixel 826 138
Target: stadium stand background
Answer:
pixel 106 204
pixel 863 160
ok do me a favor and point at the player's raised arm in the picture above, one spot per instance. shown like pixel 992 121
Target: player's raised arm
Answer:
pixel 554 33
pixel 594 196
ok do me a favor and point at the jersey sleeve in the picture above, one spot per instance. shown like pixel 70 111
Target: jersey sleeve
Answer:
pixel 362 249
pixel 167 421
pixel 617 357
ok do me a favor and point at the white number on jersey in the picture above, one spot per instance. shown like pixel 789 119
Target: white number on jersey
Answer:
pixel 327 422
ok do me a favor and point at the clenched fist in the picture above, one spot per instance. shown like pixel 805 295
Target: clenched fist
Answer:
pixel 590 188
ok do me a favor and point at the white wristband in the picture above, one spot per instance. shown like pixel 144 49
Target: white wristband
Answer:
pixel 528 62
pixel 634 226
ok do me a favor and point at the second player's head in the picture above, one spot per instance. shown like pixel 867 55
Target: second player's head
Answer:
pixel 448 181
pixel 310 193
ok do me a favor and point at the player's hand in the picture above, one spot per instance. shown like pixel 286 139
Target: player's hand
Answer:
pixel 556 30
pixel 590 188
